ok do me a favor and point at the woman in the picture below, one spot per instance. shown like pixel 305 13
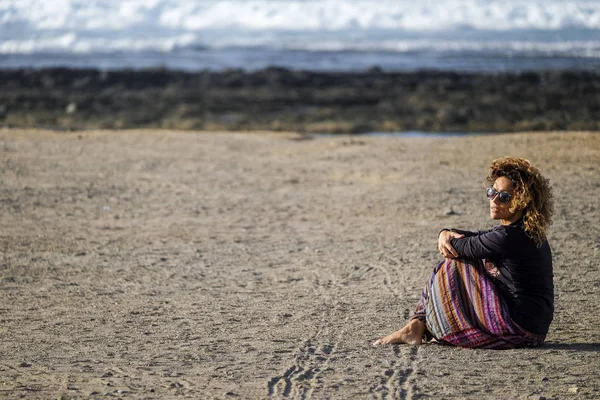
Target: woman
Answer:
pixel 494 289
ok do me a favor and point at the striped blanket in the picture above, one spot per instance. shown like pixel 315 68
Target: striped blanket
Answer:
pixel 461 306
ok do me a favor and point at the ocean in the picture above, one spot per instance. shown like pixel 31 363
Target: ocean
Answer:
pixel 325 35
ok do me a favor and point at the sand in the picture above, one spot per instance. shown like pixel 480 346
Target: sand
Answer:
pixel 159 264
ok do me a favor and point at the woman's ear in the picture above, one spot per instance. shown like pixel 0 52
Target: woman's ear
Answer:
pixel 520 205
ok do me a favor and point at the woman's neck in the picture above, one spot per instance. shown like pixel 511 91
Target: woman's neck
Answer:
pixel 516 216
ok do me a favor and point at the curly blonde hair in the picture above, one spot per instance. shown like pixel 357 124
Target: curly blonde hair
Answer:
pixel 532 194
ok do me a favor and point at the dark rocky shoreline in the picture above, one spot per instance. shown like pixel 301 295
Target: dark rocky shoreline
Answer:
pixel 287 100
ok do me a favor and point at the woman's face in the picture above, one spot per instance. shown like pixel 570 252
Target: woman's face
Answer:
pixel 499 210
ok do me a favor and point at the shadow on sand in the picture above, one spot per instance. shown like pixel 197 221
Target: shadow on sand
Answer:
pixel 593 347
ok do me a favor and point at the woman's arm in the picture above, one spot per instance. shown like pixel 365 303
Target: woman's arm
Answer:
pixel 460 231
pixel 444 245
pixel 488 244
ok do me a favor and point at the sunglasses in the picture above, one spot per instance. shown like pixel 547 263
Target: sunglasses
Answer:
pixel 503 196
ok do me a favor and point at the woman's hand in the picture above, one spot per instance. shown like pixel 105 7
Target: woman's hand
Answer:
pixel 444 245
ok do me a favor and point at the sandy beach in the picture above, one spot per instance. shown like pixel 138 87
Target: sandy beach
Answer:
pixel 161 264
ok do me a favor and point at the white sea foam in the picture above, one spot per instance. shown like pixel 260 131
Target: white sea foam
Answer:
pixel 583 49
pixel 301 15
pixel 74 44
pixel 508 27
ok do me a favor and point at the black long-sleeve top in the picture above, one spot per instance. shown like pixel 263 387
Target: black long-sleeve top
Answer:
pixel 525 271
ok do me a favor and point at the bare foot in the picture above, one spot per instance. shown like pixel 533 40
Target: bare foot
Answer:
pixel 412 333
